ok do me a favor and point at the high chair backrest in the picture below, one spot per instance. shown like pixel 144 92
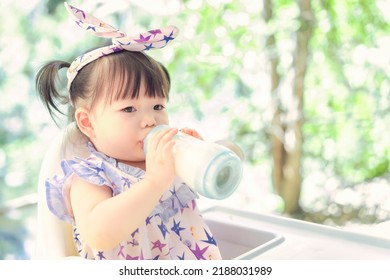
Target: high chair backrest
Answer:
pixel 54 237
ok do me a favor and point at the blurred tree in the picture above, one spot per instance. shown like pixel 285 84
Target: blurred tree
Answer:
pixel 286 137
pixel 326 101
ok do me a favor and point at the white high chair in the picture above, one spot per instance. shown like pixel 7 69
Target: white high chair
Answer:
pixel 55 237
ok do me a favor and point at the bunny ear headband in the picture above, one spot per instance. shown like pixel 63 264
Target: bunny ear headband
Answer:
pixel 153 39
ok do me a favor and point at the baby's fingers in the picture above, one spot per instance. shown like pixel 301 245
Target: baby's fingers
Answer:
pixel 161 138
pixel 191 132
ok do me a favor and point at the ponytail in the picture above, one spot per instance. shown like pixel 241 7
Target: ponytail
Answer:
pixel 47 89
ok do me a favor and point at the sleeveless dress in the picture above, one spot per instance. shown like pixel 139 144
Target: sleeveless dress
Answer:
pixel 174 230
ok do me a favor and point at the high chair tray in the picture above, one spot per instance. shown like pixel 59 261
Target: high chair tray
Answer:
pixel 248 235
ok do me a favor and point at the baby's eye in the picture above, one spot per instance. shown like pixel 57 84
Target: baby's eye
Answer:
pixel 129 109
pixel 158 107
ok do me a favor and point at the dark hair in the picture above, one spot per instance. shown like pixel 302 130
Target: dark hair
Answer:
pixel 119 73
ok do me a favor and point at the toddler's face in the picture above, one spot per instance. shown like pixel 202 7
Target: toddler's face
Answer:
pixel 120 127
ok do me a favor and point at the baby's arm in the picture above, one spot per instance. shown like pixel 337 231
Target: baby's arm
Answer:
pixel 103 220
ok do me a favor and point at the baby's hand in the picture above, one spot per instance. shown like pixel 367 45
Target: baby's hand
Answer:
pixel 160 167
pixel 191 132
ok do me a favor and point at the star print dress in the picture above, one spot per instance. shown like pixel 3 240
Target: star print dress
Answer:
pixel 174 230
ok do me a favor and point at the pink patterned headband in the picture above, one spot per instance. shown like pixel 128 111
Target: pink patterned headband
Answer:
pixel 153 39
